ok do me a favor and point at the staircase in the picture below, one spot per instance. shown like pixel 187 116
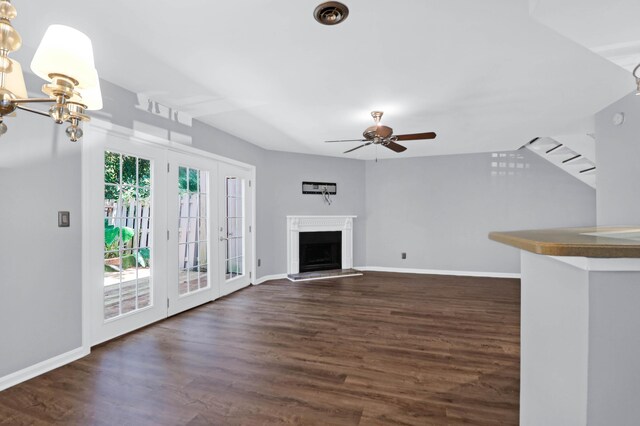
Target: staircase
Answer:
pixel 574 154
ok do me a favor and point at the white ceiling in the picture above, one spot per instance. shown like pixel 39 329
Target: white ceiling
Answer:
pixel 609 28
pixel 484 75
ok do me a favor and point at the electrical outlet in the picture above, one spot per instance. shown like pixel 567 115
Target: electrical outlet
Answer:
pixel 259 262
pixel 404 255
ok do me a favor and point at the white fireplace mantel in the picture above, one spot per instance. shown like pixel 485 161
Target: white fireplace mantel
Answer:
pixel 297 224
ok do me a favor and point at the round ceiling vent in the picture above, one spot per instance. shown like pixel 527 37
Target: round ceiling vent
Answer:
pixel 331 13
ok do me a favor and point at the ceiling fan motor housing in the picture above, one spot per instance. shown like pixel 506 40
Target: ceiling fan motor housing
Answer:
pixel 381 132
pixel 383 135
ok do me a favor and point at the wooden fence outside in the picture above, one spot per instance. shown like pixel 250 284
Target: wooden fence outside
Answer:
pixel 138 218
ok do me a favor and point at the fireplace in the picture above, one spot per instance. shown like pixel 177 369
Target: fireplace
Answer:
pixel 320 251
pixel 336 226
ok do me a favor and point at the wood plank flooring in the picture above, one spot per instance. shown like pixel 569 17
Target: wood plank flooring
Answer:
pixel 382 349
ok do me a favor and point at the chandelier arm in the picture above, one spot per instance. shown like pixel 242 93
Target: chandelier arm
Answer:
pixel 33 100
pixel 61 63
pixel 35 111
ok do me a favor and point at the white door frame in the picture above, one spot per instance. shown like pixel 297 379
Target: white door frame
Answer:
pixel 92 155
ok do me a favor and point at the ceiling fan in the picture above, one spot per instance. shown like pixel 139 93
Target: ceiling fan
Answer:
pixel 383 135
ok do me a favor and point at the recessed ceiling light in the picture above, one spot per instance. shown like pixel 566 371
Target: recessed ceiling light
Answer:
pixel 331 13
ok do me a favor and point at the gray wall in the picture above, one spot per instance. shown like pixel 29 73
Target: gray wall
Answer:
pixel 618 162
pixel 280 194
pixel 40 268
pixel 439 210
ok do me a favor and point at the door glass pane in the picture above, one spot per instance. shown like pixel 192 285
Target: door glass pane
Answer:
pixel 193 240
pixel 203 276
pixel 240 265
pixel 144 172
pixel 111 167
pixel 127 234
pixel 234 225
pixel 183 281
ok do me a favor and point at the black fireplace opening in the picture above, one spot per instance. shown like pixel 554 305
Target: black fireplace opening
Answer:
pixel 320 251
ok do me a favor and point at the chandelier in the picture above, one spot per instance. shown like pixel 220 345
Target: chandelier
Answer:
pixel 64 59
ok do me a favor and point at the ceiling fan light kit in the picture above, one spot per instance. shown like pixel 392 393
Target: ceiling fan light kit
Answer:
pixel 379 134
pixel 64 58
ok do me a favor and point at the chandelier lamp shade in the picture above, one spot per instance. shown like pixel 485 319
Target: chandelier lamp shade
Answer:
pixel 64 59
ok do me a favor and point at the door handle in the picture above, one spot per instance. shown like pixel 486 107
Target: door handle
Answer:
pixel 224 239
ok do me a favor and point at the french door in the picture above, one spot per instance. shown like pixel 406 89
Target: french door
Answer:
pixel 130 288
pixel 193 249
pixel 167 231
pixel 235 229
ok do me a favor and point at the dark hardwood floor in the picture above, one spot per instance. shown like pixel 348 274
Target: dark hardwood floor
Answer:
pixel 383 349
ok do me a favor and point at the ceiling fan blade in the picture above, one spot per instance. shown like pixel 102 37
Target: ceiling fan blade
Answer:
pixel 416 136
pixel 347 140
pixel 395 147
pixel 357 147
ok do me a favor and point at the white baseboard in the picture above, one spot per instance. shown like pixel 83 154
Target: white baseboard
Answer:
pixel 42 367
pixel 269 278
pixel 439 272
pixel 410 271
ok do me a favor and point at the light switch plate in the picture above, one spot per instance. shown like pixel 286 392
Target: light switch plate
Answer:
pixel 64 219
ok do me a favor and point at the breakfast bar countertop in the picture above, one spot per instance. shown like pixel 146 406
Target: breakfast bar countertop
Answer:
pixel 601 242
